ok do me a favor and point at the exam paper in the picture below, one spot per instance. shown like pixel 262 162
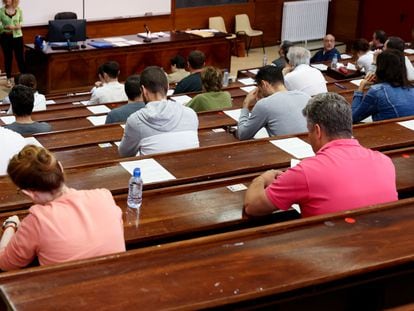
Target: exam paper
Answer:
pixel 346 56
pixel 98 109
pixel 97 120
pixel 115 39
pixel 351 66
pixel 254 71
pixel 409 51
pixel 408 124
pixel 247 81
pixel 295 146
pixel 170 92
pixel 182 99
pixel 8 119
pixel 235 114
pixel 321 67
pixel 151 170
pixel 50 102
pixel 248 89
pixel 357 82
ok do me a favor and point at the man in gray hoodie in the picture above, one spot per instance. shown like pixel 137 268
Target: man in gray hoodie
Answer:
pixel 162 125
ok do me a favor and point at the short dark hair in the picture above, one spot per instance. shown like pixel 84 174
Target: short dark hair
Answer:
pixel 286 44
pixel 332 113
pixel 178 61
pixel 22 100
pixel 380 35
pixel 360 45
pixel 132 87
pixel 395 43
pixel 111 68
pixel 391 68
pixel 196 59
pixel 271 74
pixel 29 80
pixel 212 79
pixel 154 79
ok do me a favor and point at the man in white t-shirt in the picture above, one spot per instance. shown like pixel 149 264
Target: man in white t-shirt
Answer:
pixel 300 76
pixel 11 143
pixel 108 89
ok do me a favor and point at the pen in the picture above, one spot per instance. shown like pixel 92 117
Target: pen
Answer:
pixel 340 86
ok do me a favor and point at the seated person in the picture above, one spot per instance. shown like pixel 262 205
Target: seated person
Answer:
pixel 29 80
pixel 391 97
pixel 192 83
pixel 178 71
pixel 328 52
pixel 22 99
pixel 398 44
pixel 378 40
pixel 342 175
pixel 63 224
pixel 275 108
pixel 214 97
pixel 11 143
pixel 283 50
pixel 364 55
pixel 135 102
pixel 300 76
pixel 160 126
pixel 108 89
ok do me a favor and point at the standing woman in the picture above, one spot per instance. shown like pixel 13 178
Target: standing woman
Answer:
pixel 11 19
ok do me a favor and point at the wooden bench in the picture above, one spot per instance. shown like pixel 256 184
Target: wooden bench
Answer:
pixel 320 263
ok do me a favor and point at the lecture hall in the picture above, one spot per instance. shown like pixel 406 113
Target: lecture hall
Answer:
pixel 207 154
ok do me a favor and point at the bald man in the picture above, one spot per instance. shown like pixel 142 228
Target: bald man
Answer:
pixel 328 51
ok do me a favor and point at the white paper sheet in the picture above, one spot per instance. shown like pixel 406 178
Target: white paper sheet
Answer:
pixel 84 102
pixel 117 143
pixel 346 56
pixel 122 125
pixel 82 93
pixel 351 66
pixel 294 162
pixel 133 42
pixel 8 119
pixel 248 89
pixel 409 51
pixel 151 170
pixel 170 92
pixel 115 39
pixel 321 67
pixel 295 146
pixel 105 145
pixel 357 82
pixel 408 124
pixel 32 141
pixel 182 99
pixel 121 44
pixel 235 114
pixel 98 109
pixel 97 120
pixel 254 71
pixel 50 102
pixel 219 130
pixel 247 81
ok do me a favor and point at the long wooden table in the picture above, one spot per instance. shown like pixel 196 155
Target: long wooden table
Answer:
pixel 70 71
pixel 206 163
pixel 315 264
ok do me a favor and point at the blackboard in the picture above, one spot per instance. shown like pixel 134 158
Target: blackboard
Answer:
pixel 194 3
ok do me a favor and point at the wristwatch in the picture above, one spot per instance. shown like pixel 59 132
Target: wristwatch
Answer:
pixel 9 222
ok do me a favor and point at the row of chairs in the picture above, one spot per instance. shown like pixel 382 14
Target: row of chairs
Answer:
pixel 243 28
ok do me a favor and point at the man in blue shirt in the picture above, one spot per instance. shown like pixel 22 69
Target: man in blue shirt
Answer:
pixel 328 52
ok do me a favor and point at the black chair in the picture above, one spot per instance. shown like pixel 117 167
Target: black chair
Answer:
pixel 66 15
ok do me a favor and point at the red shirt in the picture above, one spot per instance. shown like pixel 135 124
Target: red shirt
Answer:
pixel 342 175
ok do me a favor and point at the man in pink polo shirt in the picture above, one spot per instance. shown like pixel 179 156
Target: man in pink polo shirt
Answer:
pixel 342 175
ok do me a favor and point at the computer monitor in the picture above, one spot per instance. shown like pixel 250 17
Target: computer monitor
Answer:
pixel 67 30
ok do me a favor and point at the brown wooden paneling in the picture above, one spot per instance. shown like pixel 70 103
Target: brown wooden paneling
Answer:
pixel 343 20
pixel 268 18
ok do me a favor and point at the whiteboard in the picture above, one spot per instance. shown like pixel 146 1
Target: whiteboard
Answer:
pixel 39 12
pixel 95 10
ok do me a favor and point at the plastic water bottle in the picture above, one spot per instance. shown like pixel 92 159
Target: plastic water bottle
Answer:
pixel 264 60
pixel 334 63
pixel 226 78
pixel 135 190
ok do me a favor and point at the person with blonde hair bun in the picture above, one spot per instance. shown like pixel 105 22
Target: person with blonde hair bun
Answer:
pixel 63 224
pixel 213 97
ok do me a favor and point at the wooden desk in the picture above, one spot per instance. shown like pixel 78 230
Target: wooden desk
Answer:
pixel 70 71
pixel 290 266
pixel 208 163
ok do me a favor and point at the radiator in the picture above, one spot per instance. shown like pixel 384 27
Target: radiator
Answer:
pixel 304 20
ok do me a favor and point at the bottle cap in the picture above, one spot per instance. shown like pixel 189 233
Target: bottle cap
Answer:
pixel 137 172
